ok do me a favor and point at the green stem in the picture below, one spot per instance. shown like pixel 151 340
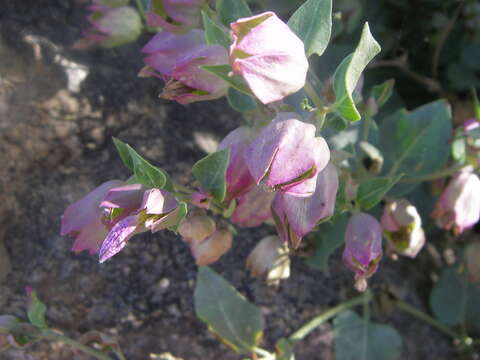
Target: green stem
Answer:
pixel 310 90
pixel 141 10
pixel 327 315
pixel 433 176
pixel 51 335
pixel 427 318
pixel 264 353
pixel 366 127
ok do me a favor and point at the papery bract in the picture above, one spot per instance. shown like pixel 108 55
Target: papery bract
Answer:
pixel 458 208
pixel 175 16
pixel 363 247
pixel 210 249
pixel 253 208
pixel 269 56
pixel 176 59
pixel 402 226
pixel 238 178
pixel 287 156
pixel 296 216
pixel 270 260
pixel 196 227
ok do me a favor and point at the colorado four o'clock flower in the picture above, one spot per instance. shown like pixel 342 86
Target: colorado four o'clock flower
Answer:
pixel 176 59
pixel 287 156
pixel 175 16
pixel 112 24
pixel 269 56
pixel 363 248
pixel 458 207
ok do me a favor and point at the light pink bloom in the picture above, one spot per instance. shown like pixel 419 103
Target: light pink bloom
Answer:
pixel 287 156
pixel 253 208
pixel 296 216
pixel 363 247
pixel 402 226
pixel 269 56
pixel 458 208
pixel 175 16
pixel 176 59
pixel 239 180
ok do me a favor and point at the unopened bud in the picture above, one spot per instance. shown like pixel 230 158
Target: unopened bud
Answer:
pixel 196 227
pixel 212 248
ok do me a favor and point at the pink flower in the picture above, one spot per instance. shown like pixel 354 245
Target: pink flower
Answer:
pixel 363 248
pixel 175 16
pixel 112 24
pixel 176 59
pixel 239 180
pixel 253 208
pixel 458 208
pixel 402 226
pixel 296 216
pixel 269 56
pixel 287 156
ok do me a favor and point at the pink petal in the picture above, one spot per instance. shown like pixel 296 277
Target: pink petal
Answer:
pixel 90 237
pixel 124 197
pixel 158 202
pixel 253 208
pixel 117 237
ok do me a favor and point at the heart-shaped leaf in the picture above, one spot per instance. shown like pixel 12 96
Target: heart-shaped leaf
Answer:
pixel 211 171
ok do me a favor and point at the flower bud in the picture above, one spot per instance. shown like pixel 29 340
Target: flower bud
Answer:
pixel 458 208
pixel 176 59
pixel 296 216
pixel 402 226
pixel 472 263
pixel 210 249
pixel 363 248
pixel 287 156
pixel 269 56
pixel 175 16
pixel 112 24
pixel 239 180
pixel 196 227
pixel 253 208
pixel 270 260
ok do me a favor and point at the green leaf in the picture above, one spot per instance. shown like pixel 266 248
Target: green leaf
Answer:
pixel 225 73
pixel 231 10
pixel 144 172
pixel 372 191
pixel 312 22
pixel 349 71
pixel 284 350
pixel 327 239
pixel 459 150
pixel 182 212
pixel 476 104
pixel 214 34
pixel 227 313
pixel 382 92
pixel 210 173
pixel 356 339
pixel 416 143
pixel 36 310
pixel 454 300
pixel 239 101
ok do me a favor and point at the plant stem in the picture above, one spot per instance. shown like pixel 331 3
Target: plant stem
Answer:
pixel 366 127
pixel 310 90
pixel 263 353
pixel 327 315
pixel 51 335
pixel 433 176
pixel 141 10
pixel 427 318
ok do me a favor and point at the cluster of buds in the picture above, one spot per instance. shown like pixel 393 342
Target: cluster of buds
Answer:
pixel 113 23
pixel 105 219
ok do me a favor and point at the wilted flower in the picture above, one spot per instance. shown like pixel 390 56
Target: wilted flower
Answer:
pixel 458 207
pixel 363 248
pixel 270 260
pixel 296 216
pixel 238 178
pixel 253 208
pixel 210 249
pixel 176 59
pixel 269 56
pixel 402 226
pixel 112 24
pixel 287 156
pixel 175 16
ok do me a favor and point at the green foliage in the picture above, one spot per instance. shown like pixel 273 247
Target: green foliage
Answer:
pixel 382 92
pixel 36 310
pixel 239 101
pixel 211 171
pixel 312 22
pixel 145 173
pixel 454 300
pixel 372 191
pixel 416 143
pixel 357 339
pixel 227 313
pixel 327 239
pixel 349 71
pixel 225 73
pixel 284 350
pixel 214 34
pixel 182 212
pixel 231 10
